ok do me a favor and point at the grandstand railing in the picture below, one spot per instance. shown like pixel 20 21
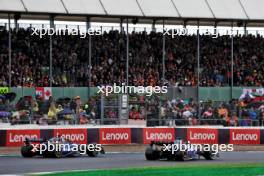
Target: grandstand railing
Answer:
pixel 149 122
pixel 194 122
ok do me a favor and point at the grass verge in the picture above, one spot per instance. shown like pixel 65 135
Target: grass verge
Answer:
pixel 245 169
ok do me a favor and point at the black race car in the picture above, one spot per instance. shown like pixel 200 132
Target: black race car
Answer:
pixel 58 147
pixel 163 150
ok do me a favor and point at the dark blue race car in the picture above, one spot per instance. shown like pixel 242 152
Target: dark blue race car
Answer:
pixel 158 150
pixel 58 147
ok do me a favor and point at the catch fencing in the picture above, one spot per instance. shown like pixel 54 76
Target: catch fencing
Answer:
pixel 205 93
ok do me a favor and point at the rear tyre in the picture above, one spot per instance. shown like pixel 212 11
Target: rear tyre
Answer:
pixel 209 155
pixel 180 156
pixel 102 151
pixel 57 154
pixel 151 154
pixel 92 153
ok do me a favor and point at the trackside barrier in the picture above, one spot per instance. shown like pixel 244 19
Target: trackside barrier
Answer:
pixel 202 135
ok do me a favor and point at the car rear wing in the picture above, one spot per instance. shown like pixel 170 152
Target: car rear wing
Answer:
pixel 160 143
pixel 28 140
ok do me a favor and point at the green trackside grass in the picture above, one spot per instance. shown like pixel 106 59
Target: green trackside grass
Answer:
pixel 245 169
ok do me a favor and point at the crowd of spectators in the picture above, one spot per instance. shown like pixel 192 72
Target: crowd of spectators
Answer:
pixel 30 60
pixel 169 112
pixel 233 113
pixel 38 110
pixel 73 111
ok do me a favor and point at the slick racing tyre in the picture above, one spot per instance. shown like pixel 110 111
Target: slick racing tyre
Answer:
pixel 180 156
pixel 57 154
pixel 92 153
pixel 151 154
pixel 26 151
pixel 209 155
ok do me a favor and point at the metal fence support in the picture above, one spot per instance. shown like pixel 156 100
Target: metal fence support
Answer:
pixel 16 18
pixel 9 53
pixel 102 108
pixel 198 69
pixel 88 25
pixel 127 53
pixel 232 61
pixel 245 28
pixel 121 26
pixel 52 26
pixel 163 52
pixel 153 26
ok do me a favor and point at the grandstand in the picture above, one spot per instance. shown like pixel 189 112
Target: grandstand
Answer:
pixel 193 65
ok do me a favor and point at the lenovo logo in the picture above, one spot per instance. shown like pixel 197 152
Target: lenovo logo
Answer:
pixel 247 137
pixel 159 136
pixel 72 137
pixel 244 136
pixel 78 136
pixel 17 137
pixel 202 136
pixel 21 138
pixel 115 135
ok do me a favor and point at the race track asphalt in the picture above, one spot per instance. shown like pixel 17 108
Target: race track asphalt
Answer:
pixel 19 165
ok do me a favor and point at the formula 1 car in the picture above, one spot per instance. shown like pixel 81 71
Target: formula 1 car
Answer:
pixel 61 148
pixel 163 150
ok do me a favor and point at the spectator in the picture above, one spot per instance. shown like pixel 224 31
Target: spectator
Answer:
pixel 134 114
pixel 208 114
pixel 232 121
pixel 52 113
pixel 252 114
pixel 222 112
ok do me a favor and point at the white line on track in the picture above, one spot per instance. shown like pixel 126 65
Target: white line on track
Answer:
pixel 56 172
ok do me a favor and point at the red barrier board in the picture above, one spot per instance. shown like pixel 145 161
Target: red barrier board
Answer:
pixel 244 136
pixel 17 137
pixel 158 134
pixel 115 135
pixel 202 135
pixel 78 136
